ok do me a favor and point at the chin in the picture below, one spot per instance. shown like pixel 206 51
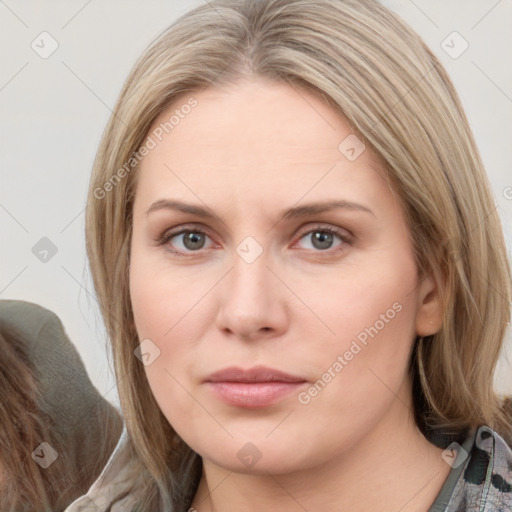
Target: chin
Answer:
pixel 274 465
pixel 260 456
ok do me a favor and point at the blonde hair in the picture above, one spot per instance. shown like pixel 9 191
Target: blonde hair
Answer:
pixel 370 66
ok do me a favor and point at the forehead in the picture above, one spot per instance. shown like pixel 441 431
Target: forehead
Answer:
pixel 256 116
pixel 252 139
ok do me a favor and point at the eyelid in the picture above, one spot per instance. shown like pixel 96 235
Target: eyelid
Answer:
pixel 168 234
pixel 345 236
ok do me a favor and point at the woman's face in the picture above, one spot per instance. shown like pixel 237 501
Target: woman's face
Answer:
pixel 271 275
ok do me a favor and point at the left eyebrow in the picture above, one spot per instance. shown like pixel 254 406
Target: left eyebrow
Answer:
pixel 314 208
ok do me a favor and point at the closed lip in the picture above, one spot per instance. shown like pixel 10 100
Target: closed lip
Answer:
pixel 252 375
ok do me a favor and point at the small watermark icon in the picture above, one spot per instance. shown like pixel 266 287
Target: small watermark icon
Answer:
pixel 45 455
pixel 249 249
pixel 147 352
pixel 453 248
pixel 351 147
pixel 454 45
pixel 454 455
pixel 44 45
pixel 249 454
pixel 44 250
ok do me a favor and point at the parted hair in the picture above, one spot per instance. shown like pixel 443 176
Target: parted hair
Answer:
pixel 366 63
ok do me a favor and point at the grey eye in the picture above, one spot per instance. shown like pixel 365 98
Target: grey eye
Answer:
pixel 193 240
pixel 321 239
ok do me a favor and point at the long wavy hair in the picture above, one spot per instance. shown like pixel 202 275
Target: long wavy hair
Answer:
pixel 379 75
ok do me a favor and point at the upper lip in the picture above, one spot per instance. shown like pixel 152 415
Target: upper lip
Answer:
pixel 256 374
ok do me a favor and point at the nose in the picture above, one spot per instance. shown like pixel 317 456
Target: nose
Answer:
pixel 253 302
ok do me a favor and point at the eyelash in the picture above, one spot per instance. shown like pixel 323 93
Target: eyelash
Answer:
pixel 345 238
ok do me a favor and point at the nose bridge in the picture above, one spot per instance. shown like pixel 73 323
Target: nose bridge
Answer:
pixel 250 274
pixel 250 301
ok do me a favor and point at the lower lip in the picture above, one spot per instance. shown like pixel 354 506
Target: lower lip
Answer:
pixel 253 395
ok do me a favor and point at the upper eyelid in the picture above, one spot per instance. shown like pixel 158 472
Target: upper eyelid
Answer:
pixel 305 229
pixel 323 225
pixel 191 227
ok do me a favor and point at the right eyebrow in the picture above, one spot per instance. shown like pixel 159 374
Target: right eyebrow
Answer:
pixel 169 204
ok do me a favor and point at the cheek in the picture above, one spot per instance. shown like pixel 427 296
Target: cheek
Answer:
pixel 169 307
pixel 371 315
pixel 368 301
pixel 161 296
pixel 167 310
pixel 370 353
pixel 162 319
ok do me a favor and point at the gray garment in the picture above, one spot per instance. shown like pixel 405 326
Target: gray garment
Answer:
pixel 80 416
pixel 481 477
pixel 108 485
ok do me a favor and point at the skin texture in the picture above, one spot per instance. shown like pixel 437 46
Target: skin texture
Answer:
pixel 248 152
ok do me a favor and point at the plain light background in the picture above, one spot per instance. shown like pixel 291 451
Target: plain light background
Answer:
pixel 53 111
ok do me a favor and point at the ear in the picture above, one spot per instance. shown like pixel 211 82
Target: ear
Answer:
pixel 429 315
